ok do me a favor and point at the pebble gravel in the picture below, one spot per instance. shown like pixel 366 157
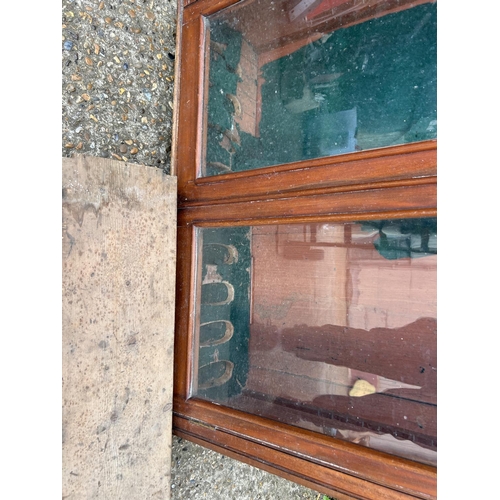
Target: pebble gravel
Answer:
pixel 118 60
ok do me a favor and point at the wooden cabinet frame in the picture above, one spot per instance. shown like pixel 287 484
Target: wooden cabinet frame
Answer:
pixel 392 182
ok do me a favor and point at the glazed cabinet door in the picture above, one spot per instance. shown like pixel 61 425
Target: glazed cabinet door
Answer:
pixel 306 324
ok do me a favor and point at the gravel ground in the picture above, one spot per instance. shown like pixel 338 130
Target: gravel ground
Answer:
pixel 118 60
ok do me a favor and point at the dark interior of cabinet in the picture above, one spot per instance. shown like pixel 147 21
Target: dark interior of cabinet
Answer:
pixel 368 85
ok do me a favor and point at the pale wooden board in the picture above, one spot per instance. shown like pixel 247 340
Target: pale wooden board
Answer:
pixel 118 278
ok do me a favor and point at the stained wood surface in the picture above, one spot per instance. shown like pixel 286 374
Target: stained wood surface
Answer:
pixel 363 201
pixel 118 279
pixel 304 481
pixel 332 465
pixel 395 163
pixel 190 99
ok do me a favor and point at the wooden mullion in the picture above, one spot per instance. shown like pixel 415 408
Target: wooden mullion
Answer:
pixel 184 310
pixel 316 191
pixel 190 99
pixel 338 218
pixel 370 203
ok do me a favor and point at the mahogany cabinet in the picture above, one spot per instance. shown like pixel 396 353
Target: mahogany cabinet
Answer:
pixel 305 150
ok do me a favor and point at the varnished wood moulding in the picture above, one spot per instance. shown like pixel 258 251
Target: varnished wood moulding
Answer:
pixel 365 473
pixel 405 198
pixel 397 214
pixel 199 8
pixel 323 450
pixel 406 162
pixel 260 464
pixel 177 80
pixel 184 311
pixel 190 100
pixel 413 147
pixel 282 464
pixel 314 191
pixel 203 111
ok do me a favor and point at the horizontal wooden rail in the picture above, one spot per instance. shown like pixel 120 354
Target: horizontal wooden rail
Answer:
pixel 324 460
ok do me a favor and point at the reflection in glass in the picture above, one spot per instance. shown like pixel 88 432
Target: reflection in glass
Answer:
pixel 293 80
pixel 328 326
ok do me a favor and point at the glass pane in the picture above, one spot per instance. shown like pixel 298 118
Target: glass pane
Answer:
pixel 328 327
pixel 295 80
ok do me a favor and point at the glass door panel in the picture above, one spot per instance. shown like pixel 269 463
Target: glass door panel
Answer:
pixel 296 80
pixel 326 326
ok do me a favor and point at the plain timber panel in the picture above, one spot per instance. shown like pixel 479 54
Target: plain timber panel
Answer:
pixel 118 279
